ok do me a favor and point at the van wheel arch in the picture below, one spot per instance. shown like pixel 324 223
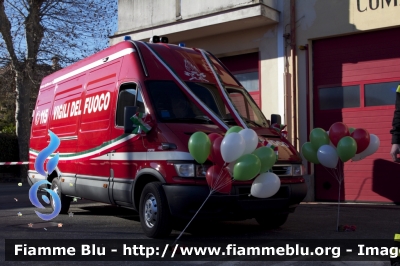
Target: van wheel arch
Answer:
pixel 144 177
pixel 50 178
pixel 65 201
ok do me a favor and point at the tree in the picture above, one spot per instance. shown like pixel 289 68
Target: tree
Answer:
pixel 34 31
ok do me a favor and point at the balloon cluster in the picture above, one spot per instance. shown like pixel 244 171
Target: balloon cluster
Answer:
pixel 340 142
pixel 236 156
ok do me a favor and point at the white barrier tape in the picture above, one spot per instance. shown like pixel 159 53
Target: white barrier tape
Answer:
pixel 13 163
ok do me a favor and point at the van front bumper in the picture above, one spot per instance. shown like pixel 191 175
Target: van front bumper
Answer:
pixel 184 201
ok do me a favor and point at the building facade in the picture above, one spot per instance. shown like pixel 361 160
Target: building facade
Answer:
pixel 314 62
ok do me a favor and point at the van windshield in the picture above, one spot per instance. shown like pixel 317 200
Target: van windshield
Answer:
pixel 172 105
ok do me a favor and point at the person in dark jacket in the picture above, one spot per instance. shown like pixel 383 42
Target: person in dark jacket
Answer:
pixel 395 131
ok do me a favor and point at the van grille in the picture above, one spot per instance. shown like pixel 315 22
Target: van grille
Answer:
pixel 282 170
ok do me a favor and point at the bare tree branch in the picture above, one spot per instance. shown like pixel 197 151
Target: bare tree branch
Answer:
pixel 34 31
pixel 16 8
pixel 5 29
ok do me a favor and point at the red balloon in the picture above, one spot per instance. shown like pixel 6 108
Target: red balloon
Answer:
pixel 215 154
pixel 337 131
pixel 219 179
pixel 361 136
pixel 213 137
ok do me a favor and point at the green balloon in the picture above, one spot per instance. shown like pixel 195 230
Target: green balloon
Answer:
pixel 267 158
pixel 346 148
pixel 199 146
pixel 234 129
pixel 246 167
pixel 309 153
pixel 318 137
pixel 351 129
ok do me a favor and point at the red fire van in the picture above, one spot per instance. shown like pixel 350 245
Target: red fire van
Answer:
pixel 181 90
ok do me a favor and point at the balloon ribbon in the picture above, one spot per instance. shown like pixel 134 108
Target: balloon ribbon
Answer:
pixel 141 121
pixel 280 129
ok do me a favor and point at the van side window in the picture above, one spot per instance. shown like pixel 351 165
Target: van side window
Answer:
pixel 140 103
pixel 129 95
pixel 126 97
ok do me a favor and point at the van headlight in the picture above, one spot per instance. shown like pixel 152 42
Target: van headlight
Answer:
pixel 184 169
pixel 297 169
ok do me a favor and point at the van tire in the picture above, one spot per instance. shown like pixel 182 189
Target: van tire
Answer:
pixel 65 201
pixel 154 211
pixel 273 221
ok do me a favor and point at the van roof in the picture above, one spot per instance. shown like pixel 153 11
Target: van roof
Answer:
pixel 188 63
pixel 81 64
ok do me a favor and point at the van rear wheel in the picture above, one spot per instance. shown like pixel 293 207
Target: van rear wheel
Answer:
pixel 273 221
pixel 154 211
pixel 65 201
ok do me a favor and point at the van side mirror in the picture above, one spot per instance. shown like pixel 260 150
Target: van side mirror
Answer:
pixel 275 119
pixel 129 111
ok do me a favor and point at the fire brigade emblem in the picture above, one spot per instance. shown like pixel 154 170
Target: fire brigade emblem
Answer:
pixel 37 118
pixel 193 72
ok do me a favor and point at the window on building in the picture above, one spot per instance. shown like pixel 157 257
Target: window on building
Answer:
pixel 249 81
pixel 339 97
pixel 380 93
pixel 245 68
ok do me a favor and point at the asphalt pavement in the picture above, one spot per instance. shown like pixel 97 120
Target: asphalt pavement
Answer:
pixel 311 221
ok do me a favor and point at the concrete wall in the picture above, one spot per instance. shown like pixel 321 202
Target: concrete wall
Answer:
pixel 183 20
pixel 192 8
pixel 139 14
pixel 142 14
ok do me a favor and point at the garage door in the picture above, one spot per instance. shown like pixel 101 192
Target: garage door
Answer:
pixel 355 79
pixel 245 68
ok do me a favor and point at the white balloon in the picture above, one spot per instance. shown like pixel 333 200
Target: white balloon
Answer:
pixel 230 166
pixel 265 185
pixel 250 139
pixel 232 147
pixel 357 157
pixel 373 146
pixel 327 156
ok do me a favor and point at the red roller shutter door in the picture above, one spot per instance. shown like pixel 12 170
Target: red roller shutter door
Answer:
pixel 354 79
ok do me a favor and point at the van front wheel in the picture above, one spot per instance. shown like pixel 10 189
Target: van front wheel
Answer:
pixel 154 212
